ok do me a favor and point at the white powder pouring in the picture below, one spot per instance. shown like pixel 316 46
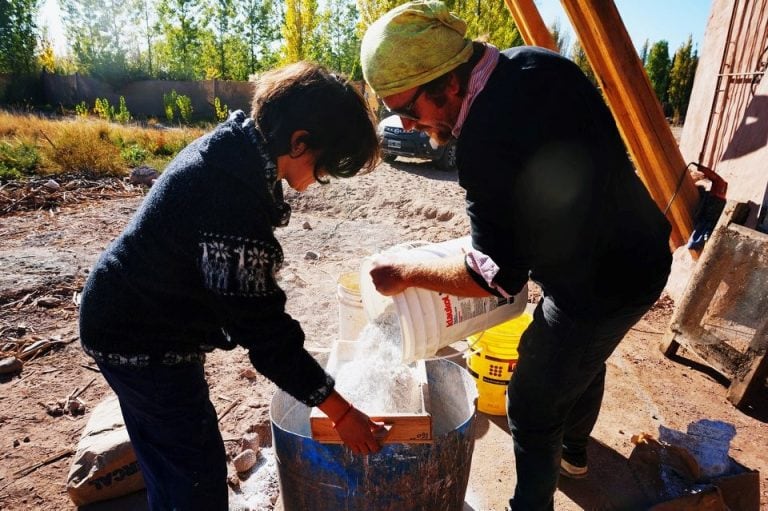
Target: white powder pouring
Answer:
pixel 375 380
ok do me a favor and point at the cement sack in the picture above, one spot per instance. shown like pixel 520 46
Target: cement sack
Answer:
pixel 104 466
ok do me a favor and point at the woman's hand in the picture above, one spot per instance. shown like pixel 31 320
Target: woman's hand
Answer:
pixel 356 429
pixel 359 432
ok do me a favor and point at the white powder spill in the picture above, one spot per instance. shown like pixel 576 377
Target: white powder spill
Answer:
pixel 375 379
pixel 260 488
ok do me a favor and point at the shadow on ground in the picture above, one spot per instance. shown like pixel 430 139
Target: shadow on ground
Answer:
pixel 755 405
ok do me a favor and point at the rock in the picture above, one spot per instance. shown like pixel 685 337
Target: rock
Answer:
pixel 52 185
pixel 76 407
pixel 311 256
pixel 245 461
pixel 10 365
pixel 250 441
pixel 444 216
pixel 234 482
pixel 249 373
pixel 143 175
pixel 54 410
pixel 306 226
pixel 47 302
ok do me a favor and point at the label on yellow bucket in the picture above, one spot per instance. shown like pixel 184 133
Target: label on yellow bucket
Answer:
pixel 492 361
pixel 491 375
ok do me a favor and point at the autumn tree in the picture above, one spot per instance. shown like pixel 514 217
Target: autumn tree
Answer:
pixel 488 20
pixel 371 10
pixel 658 66
pixel 681 79
pixel 218 40
pixel 298 30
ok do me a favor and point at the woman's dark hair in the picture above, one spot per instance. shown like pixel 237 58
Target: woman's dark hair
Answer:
pixel 306 96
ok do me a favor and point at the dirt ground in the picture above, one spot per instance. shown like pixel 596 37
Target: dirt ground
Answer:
pixel 45 256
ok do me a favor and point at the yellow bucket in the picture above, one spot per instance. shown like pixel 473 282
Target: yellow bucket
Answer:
pixel 492 360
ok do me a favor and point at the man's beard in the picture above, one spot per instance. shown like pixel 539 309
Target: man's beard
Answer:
pixel 439 135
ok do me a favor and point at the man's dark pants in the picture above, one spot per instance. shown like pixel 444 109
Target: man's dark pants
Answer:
pixel 174 432
pixel 554 397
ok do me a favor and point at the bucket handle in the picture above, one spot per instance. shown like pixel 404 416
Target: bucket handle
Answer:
pixel 470 346
pixel 464 353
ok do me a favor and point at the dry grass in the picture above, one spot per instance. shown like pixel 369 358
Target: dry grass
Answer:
pixel 87 147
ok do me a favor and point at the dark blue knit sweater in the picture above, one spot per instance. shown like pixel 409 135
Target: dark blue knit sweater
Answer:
pixel 551 192
pixel 195 269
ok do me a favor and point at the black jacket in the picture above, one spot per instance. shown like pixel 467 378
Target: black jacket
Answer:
pixel 551 192
pixel 195 268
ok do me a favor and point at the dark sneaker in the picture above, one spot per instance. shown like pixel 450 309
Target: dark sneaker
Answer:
pixel 572 471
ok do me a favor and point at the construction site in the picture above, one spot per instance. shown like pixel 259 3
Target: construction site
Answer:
pixel 697 359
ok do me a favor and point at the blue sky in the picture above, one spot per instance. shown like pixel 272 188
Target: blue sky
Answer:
pixel 670 20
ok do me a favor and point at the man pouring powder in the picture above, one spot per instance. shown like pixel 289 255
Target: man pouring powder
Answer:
pixel 551 195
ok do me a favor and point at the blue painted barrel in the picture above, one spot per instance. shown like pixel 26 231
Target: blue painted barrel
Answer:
pixel 400 477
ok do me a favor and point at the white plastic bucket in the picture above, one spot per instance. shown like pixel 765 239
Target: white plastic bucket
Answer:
pixel 352 318
pixel 430 320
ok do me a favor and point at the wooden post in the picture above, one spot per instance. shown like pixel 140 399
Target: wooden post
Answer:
pixel 530 24
pixel 637 111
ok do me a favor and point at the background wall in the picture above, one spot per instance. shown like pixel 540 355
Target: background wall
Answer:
pixel 145 98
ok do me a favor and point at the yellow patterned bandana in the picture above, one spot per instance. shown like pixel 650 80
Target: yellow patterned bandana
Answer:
pixel 413 44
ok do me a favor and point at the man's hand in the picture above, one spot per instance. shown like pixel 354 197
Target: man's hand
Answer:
pixel 389 277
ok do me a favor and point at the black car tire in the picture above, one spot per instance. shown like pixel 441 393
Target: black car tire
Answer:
pixel 388 157
pixel 448 159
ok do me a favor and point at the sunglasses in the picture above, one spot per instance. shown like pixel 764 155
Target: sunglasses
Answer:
pixel 406 112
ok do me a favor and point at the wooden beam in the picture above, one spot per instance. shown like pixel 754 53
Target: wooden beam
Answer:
pixel 637 111
pixel 530 24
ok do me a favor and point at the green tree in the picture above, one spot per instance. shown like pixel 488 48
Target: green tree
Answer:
pixel 18 36
pixel 644 53
pixel 178 51
pixel 95 29
pixel 298 29
pixel 143 18
pixel 560 37
pixel 260 33
pixel 681 77
pixel 338 42
pixel 658 67
pixel 579 56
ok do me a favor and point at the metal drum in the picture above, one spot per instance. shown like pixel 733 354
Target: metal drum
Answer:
pixel 400 477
